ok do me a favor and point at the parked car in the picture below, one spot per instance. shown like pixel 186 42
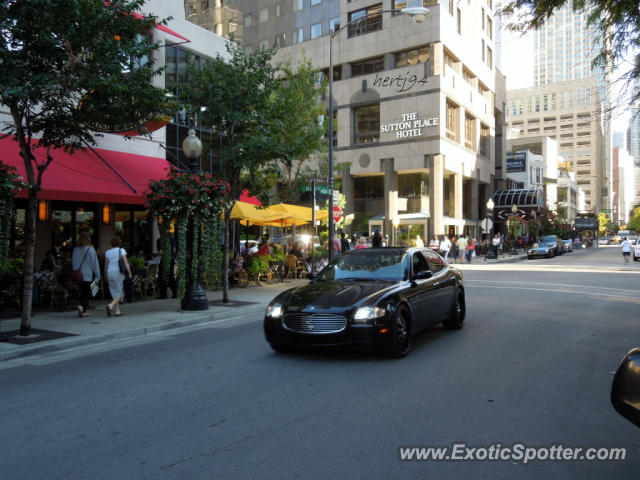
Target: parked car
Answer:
pixel 604 241
pixel 568 245
pixel 554 244
pixel 636 252
pixel 541 250
pixel 375 298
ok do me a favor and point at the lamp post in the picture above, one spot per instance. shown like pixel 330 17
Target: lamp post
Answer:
pixel 194 298
pixel 490 252
pixel 512 218
pixel 419 14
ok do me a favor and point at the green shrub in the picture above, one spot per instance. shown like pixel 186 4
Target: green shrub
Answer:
pixel 259 264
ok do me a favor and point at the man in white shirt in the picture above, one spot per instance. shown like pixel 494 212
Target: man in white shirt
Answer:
pixel 626 249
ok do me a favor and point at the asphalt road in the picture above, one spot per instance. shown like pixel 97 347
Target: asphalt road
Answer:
pixel 533 365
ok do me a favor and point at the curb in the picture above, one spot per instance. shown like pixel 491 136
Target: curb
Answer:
pixel 81 341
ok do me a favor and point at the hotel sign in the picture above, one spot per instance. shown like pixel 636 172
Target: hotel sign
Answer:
pixel 517 162
pixel 409 126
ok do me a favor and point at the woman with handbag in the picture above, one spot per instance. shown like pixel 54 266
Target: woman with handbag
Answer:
pixel 84 262
pixel 116 267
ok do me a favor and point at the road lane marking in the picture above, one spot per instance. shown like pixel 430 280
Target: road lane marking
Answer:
pixel 558 285
pixel 556 291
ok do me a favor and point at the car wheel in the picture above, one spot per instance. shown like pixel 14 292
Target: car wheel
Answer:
pixel 549 255
pixel 279 348
pixel 457 312
pixel 530 257
pixel 635 259
pixel 400 342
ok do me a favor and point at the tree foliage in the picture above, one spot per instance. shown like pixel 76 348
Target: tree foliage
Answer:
pixel 634 222
pixel 298 109
pixel 67 65
pixel 617 21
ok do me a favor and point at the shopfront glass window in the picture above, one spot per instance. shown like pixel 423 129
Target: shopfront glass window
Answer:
pixel 86 221
pixel 367 124
pixel 62 229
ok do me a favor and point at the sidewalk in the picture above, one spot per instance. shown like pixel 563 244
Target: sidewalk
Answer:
pixel 139 319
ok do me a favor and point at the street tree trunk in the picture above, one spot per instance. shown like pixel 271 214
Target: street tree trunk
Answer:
pixel 225 258
pixel 29 261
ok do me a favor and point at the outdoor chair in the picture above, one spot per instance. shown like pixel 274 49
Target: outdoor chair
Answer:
pixel 149 281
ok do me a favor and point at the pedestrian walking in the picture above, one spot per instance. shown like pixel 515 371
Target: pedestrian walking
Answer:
pixel 344 243
pixel 461 243
pixel 85 260
pixel 376 241
pixel 453 252
pixel 362 243
pixel 626 249
pixel 434 244
pixel 445 247
pixel 495 243
pixel 419 242
pixel 116 267
pixel 469 249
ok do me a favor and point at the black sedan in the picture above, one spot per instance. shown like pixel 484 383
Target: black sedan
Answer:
pixel 373 297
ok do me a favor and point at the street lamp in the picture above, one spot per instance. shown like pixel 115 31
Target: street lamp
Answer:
pixel 194 298
pixel 514 212
pixel 419 14
pixel 490 252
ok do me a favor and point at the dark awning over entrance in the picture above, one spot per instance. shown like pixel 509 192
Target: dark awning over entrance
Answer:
pixel 528 203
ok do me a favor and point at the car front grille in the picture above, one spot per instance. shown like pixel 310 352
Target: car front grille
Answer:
pixel 314 323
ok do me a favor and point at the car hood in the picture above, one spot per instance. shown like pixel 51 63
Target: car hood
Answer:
pixel 539 248
pixel 334 295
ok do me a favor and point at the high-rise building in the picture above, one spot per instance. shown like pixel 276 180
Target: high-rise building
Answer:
pixel 419 106
pixel 568 112
pixel 634 128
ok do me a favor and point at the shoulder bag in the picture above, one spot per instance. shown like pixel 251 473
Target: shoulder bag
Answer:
pixel 76 275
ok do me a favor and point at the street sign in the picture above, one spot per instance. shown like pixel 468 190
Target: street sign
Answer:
pixel 336 197
pixel 337 214
pixel 319 189
pixel 487 224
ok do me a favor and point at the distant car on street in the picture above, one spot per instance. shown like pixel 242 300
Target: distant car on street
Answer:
pixel 604 241
pixel 636 252
pixel 568 245
pixel 541 250
pixel 554 244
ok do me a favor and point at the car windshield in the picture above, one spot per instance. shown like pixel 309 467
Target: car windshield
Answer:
pixel 542 244
pixel 367 264
pixel 549 239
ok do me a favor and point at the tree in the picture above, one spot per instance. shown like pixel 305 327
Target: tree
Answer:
pixel 634 222
pixel 603 220
pixel 237 101
pixel 618 23
pixel 298 109
pixel 67 65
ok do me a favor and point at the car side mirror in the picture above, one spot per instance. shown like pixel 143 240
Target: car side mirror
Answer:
pixel 422 275
pixel 625 390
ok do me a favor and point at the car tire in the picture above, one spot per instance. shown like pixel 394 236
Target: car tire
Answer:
pixel 530 257
pixel 458 311
pixel 549 255
pixel 400 341
pixel 635 259
pixel 279 348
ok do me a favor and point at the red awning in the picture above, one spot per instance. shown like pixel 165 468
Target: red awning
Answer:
pixel 163 28
pixel 84 177
pixel 246 197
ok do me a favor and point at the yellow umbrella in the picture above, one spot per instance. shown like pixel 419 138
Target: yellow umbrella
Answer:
pixel 293 214
pixel 249 214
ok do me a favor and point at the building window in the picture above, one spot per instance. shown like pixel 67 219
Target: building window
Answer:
pixel 482 18
pixel 366 124
pixel 263 16
pixel 281 9
pixel 483 57
pixel 489 58
pixel 372 65
pixel 316 2
pixel 451 7
pixel 297 36
pixel 459 22
pixel 412 57
pixel 280 39
pixel 334 24
pixel 247 20
pixel 316 30
pixel 484 140
pixel 469 132
pixel 490 28
pixel 370 20
pixel 233 27
pixel 298 5
pixel 453 122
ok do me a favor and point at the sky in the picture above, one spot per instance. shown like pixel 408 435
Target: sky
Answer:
pixel 517 66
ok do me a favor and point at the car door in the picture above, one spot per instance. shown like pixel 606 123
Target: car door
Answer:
pixel 421 295
pixel 443 282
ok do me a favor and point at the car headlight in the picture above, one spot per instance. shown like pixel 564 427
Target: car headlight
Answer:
pixel 274 310
pixel 367 314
